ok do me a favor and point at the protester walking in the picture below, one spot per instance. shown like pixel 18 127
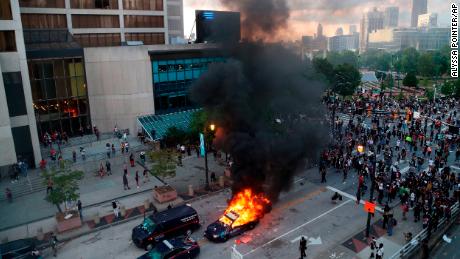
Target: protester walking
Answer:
pixel 53 243
pixel 125 181
pixel 379 252
pixel 116 211
pixel 303 248
pixel 80 209
pixel 108 167
pixel 146 176
pixel 131 159
pixel 137 179
pixel 49 186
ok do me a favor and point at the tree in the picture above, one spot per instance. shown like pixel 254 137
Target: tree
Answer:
pixel 323 67
pixel 426 65
pixel 346 79
pixel 410 80
pixel 164 162
pixel 451 88
pixel 343 57
pixel 65 184
pixel 429 93
pixel 175 136
pixel 197 124
pixel 409 60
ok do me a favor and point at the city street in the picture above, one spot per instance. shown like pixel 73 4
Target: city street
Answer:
pixel 306 210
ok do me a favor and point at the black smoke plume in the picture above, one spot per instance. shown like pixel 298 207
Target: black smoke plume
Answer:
pixel 267 106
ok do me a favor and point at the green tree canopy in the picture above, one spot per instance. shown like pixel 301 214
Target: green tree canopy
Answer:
pixel 346 79
pixel 343 57
pixel 425 64
pixel 451 88
pixel 324 67
pixel 175 136
pixel 409 60
pixel 65 184
pixel 410 80
pixel 164 162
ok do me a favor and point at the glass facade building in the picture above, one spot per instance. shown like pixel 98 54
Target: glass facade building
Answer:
pixel 59 94
pixel 172 79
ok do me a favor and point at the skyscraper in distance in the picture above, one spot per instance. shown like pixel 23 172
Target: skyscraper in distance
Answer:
pixel 319 31
pixel 391 17
pixel 352 29
pixel 418 7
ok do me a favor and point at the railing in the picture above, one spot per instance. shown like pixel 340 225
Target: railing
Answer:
pixel 414 244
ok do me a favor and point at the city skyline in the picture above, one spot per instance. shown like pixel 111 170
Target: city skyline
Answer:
pixel 306 14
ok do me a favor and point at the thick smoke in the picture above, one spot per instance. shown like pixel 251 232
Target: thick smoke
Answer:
pixel 267 107
pixel 260 19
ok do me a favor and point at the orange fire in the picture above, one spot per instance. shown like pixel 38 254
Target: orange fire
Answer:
pixel 245 207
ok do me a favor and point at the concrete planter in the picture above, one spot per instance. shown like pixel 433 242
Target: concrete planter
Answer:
pixel 96 218
pixel 164 194
pixel 65 223
pixel 123 211
pixel 147 204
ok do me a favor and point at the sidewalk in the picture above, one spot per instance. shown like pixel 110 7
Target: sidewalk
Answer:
pixel 26 214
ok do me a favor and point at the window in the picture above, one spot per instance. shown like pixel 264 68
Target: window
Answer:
pixel 95 21
pixel 14 94
pixel 7 41
pixel 147 38
pixel 152 5
pixel 98 39
pixel 42 3
pixel 143 21
pixel 5 10
pixel 44 21
pixel 23 145
pixel 94 4
pixel 59 94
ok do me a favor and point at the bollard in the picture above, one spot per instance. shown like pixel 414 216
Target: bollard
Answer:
pixel 123 211
pixel 190 190
pixel 147 204
pixel 222 181
pixel 96 218
pixel 40 235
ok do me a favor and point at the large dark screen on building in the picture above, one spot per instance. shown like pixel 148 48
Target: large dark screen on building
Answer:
pixel 213 26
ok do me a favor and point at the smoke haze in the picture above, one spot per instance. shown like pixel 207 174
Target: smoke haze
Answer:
pixel 266 104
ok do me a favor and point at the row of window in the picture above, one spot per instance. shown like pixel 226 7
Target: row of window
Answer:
pixel 59 21
pixel 184 64
pixel 151 5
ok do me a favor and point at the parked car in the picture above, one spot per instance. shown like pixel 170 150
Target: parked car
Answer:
pixel 19 249
pixel 166 224
pixel 176 248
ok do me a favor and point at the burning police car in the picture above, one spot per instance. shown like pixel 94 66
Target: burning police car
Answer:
pixel 224 228
pixel 242 214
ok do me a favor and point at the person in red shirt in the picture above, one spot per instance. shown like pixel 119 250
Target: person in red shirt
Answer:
pixel 43 164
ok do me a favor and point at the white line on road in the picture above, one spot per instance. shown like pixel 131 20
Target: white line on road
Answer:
pixel 292 230
pixel 296 239
pixel 377 208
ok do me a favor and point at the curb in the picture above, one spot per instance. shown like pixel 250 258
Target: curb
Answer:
pixel 138 216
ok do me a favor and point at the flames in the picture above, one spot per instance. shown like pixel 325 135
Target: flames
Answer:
pixel 245 207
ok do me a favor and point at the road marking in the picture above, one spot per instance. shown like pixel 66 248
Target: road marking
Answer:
pixel 455 167
pixel 377 208
pixel 304 224
pixel 311 240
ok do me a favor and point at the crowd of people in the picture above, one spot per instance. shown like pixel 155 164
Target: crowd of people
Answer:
pixel 381 135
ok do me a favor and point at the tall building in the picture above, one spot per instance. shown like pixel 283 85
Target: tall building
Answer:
pixel 370 22
pixel 428 20
pixel 319 31
pixel 107 22
pixel 343 42
pixel 391 17
pixel 352 29
pixel 18 129
pixel 65 66
pixel 175 10
pixel 395 39
pixel 418 7
pixel 339 31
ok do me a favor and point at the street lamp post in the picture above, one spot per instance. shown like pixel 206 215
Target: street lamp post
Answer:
pixel 212 127
pixel 360 150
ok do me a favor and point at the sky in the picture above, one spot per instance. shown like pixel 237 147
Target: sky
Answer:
pixel 306 14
